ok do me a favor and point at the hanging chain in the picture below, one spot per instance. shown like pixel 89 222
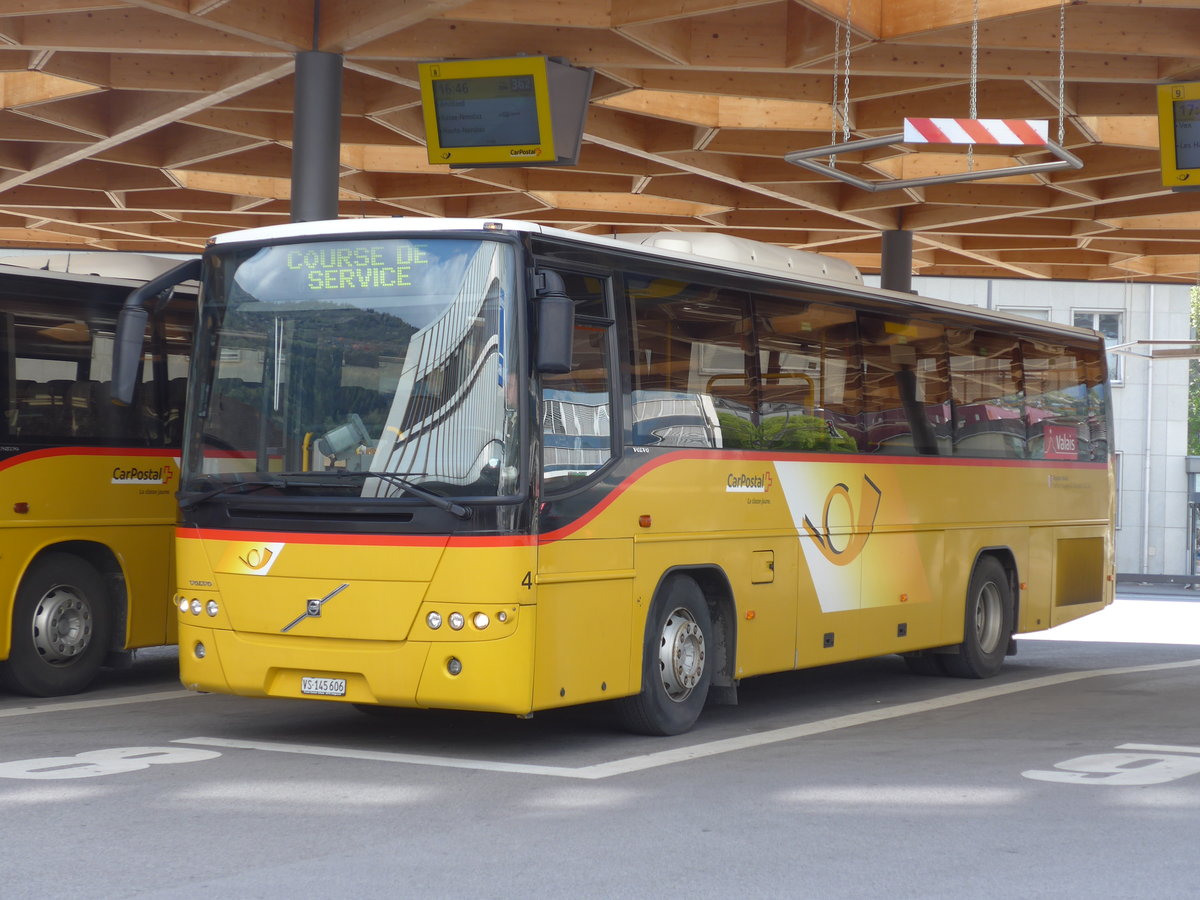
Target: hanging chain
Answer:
pixel 1062 65
pixel 841 48
pixel 846 77
pixel 974 79
pixel 833 107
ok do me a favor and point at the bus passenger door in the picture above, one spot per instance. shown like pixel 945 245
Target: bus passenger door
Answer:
pixel 585 560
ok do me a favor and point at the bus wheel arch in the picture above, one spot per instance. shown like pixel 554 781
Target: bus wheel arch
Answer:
pixel 66 615
pixel 990 616
pixel 686 643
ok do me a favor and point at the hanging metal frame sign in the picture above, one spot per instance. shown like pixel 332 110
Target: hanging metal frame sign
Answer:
pixel 807 159
pixel 969 131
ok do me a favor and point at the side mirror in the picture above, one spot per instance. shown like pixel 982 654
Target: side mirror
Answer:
pixel 127 352
pixel 131 326
pixel 555 325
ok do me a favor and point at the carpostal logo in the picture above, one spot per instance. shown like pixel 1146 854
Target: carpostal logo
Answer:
pixel 135 474
pixel 742 483
pixel 525 151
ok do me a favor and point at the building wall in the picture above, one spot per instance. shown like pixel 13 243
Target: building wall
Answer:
pixel 1149 400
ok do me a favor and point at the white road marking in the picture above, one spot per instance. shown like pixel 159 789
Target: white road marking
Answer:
pixel 695 751
pixel 73 705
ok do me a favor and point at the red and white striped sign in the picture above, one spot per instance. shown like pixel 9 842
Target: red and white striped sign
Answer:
pixel 975 131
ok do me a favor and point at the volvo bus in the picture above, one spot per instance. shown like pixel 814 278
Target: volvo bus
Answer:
pixel 88 509
pixel 496 466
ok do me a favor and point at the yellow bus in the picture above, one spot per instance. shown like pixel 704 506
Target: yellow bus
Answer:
pixel 88 509
pixel 495 466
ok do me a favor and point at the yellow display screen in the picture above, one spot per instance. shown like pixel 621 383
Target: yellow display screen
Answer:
pixel 1179 134
pixel 493 111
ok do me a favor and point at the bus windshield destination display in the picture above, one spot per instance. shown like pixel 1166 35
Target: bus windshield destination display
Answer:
pixel 354 271
pixel 364 268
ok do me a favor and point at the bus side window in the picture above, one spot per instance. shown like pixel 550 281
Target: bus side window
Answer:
pixel 985 377
pixel 1056 401
pixel 810 371
pixel 693 381
pixel 906 386
pixel 577 426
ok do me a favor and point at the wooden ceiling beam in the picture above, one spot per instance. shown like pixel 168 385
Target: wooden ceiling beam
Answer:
pixel 243 75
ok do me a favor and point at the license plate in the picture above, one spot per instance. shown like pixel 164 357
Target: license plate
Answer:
pixel 323 687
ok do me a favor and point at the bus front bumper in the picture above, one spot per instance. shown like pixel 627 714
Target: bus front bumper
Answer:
pixel 487 675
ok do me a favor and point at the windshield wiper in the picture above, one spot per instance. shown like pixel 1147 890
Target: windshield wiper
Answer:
pixel 312 479
pixel 237 487
pixel 442 503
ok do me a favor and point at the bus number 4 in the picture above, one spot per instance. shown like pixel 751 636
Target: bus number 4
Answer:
pixel 1142 764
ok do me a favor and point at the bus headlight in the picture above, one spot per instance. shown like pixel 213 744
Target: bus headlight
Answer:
pixel 480 620
pixel 183 604
pixel 211 607
pixel 434 621
pixel 457 621
pixel 196 607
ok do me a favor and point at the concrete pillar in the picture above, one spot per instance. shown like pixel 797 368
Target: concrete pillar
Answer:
pixel 316 136
pixel 895 271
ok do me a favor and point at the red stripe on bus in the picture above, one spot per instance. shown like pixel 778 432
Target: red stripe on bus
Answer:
pixel 642 471
pixel 54 452
pixel 354 540
pixel 399 540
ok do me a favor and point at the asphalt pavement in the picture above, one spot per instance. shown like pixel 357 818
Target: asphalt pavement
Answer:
pixel 1075 773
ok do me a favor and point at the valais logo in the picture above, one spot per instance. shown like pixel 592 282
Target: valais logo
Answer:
pixel 143 474
pixel 741 483
pixel 1060 442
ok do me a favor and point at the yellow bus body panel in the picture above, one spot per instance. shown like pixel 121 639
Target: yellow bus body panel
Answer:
pixel 121 502
pixel 373 632
pixel 819 560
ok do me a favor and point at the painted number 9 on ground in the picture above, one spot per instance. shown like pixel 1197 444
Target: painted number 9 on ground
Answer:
pixel 1141 764
pixel 94 763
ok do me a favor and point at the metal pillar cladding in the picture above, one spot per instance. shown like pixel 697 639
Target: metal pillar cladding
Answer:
pixel 895 270
pixel 316 136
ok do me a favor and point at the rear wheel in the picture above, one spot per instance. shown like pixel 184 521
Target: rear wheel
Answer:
pixel 675 663
pixel 62 623
pixel 988 624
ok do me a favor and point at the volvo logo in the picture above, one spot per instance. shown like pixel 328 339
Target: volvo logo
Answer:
pixel 312 609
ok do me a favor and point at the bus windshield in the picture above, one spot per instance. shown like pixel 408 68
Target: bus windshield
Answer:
pixel 357 368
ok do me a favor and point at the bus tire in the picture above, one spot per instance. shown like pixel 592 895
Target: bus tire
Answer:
pixel 988 623
pixel 61 628
pixel 676 668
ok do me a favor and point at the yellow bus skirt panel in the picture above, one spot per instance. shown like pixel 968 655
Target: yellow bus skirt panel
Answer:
pixel 493 675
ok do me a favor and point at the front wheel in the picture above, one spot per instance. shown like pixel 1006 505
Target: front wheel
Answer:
pixel 676 669
pixel 988 624
pixel 61 628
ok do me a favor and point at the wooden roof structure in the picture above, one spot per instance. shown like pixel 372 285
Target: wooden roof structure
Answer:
pixel 150 125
